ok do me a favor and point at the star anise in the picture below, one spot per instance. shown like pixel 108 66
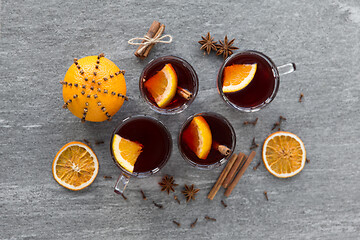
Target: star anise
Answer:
pixel 208 44
pixel 190 192
pixel 167 184
pixel 225 47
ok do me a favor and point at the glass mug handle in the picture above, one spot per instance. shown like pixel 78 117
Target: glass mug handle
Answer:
pixel 286 68
pixel 121 183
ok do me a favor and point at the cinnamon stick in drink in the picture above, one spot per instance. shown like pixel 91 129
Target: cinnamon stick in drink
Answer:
pixel 240 173
pixel 224 150
pixel 184 93
pixel 222 177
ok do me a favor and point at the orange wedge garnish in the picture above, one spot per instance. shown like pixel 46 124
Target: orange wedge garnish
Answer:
pixel 162 86
pixel 198 137
pixel 126 152
pixel 238 76
pixel 75 166
pixel 284 154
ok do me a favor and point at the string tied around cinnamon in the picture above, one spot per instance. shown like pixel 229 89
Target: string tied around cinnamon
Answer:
pixel 147 41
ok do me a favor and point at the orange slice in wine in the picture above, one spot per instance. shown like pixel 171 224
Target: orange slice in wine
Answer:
pixel 238 76
pixel 198 137
pixel 162 86
pixel 126 152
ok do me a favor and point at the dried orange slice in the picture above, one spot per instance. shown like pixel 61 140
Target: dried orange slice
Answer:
pixel 75 166
pixel 198 137
pixel 126 152
pixel 284 154
pixel 238 76
pixel 162 86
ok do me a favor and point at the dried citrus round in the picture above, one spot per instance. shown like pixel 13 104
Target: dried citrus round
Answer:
pixel 94 88
pixel 284 154
pixel 162 86
pixel 75 166
pixel 198 137
pixel 238 76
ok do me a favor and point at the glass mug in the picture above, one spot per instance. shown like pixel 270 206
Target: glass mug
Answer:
pixel 155 140
pixel 187 86
pixel 223 134
pixel 263 87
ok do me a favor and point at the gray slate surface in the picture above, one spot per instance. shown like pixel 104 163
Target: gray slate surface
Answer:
pixel 39 39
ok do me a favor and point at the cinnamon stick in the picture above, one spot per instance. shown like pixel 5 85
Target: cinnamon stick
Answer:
pixel 153 30
pixel 240 173
pixel 222 177
pixel 238 163
pixel 184 93
pixel 224 150
pixel 158 33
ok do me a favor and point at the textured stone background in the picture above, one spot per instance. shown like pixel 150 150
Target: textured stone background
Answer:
pixel 39 39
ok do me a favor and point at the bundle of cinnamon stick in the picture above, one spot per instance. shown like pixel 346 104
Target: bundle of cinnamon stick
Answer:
pixel 232 173
pixel 156 29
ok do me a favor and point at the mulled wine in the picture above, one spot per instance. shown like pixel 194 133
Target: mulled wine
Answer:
pixel 222 135
pixel 262 88
pixel 187 84
pixel 154 139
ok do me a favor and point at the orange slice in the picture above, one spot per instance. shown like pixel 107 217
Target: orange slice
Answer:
pixel 75 166
pixel 238 76
pixel 126 152
pixel 198 137
pixel 162 86
pixel 284 154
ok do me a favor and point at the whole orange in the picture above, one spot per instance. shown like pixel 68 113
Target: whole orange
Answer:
pixel 94 88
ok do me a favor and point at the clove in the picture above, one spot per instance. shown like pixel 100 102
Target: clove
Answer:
pixel 251 122
pixel 210 218
pixel 124 197
pixel 254 144
pixel 266 196
pixel 301 97
pixel 143 194
pixel 101 55
pixel 194 223
pixel 257 165
pixel 176 223
pixel 158 205
pixel 176 199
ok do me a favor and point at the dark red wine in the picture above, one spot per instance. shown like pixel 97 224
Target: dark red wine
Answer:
pixel 260 88
pixel 186 76
pixel 221 132
pixel 153 136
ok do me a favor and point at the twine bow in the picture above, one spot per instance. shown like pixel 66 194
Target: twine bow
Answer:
pixel 149 41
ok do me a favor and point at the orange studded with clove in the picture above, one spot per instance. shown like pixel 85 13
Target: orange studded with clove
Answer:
pixel 94 88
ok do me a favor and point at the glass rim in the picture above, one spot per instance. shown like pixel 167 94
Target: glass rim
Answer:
pixel 180 108
pixel 221 161
pixel 167 157
pixel 261 105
